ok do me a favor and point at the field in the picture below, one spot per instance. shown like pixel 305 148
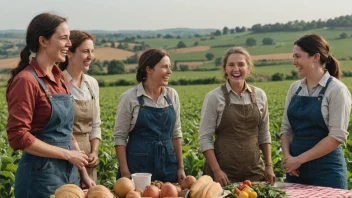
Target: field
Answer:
pixel 191 102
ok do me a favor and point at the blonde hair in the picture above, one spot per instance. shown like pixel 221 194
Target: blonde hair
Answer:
pixel 237 50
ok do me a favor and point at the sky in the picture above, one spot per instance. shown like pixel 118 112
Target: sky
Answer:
pixel 163 14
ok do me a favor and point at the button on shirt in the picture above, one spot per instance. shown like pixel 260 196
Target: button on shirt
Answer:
pixel 213 108
pixel 335 107
pixel 83 93
pixel 128 108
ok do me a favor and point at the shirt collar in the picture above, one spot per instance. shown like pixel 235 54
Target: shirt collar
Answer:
pixel 141 91
pixel 322 82
pixel 69 77
pixel 246 87
pixel 41 73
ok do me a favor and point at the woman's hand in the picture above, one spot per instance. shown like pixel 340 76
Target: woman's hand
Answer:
pixel 87 181
pixel 93 160
pixel 180 175
pixel 291 164
pixel 125 173
pixel 294 173
pixel 78 158
pixel 221 177
pixel 269 175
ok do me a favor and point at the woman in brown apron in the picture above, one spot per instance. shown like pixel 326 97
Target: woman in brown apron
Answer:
pixel 85 92
pixel 237 114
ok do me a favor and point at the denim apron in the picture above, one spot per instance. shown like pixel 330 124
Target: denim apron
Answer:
pixel 308 127
pixel 149 148
pixel 236 145
pixel 39 177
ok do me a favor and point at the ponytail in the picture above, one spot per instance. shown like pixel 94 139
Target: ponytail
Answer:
pixel 24 62
pixel 333 67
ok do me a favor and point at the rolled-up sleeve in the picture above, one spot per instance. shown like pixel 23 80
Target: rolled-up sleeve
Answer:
pixel 96 130
pixel 208 120
pixel 123 120
pixel 285 125
pixel 264 133
pixel 339 114
pixel 21 102
pixel 177 133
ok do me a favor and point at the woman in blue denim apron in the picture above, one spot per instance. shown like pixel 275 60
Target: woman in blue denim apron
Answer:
pixel 49 161
pixel 316 118
pixel 154 141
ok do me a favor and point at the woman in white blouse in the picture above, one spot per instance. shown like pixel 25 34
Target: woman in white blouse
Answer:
pixel 148 116
pixel 316 117
pixel 85 92
pixel 237 114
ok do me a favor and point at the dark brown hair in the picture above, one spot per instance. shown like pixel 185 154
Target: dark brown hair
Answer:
pixel 45 25
pixel 77 38
pixel 150 58
pixel 237 50
pixel 314 43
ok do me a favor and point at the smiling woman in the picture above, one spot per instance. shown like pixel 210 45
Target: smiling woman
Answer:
pixel 38 99
pixel 237 114
pixel 148 116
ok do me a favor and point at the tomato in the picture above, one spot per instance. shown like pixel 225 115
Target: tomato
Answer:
pixel 242 186
pixel 248 182
pixel 237 191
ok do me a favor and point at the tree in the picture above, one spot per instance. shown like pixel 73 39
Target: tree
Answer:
pixel 218 61
pixel 95 68
pixel 225 30
pixel 181 44
pixel 112 44
pixel 217 33
pixel 209 56
pixel 343 35
pixel 196 43
pixel 268 41
pixel 278 77
pixel 159 35
pixel 116 67
pixel 232 31
pixel 132 59
pixel 184 67
pixel 251 41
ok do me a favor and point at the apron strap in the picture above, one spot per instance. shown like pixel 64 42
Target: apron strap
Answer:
pixel 254 100
pixel 90 90
pixel 168 99
pixel 322 91
pixel 226 94
pixel 43 86
pixel 141 101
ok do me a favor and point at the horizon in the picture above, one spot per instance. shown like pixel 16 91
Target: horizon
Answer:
pixel 137 15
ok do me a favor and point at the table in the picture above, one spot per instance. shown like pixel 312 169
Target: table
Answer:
pixel 308 191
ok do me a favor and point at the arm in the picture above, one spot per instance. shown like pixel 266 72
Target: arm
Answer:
pixel 207 127
pixel 121 130
pixel 177 143
pixel 93 155
pixel 269 172
pixel 82 170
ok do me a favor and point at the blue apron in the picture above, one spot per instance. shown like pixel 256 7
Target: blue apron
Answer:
pixel 308 127
pixel 39 177
pixel 149 148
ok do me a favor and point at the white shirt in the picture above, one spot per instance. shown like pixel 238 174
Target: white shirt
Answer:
pixel 84 94
pixel 128 108
pixel 335 107
pixel 213 108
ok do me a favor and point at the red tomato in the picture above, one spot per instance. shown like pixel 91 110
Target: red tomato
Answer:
pixel 237 191
pixel 242 186
pixel 247 182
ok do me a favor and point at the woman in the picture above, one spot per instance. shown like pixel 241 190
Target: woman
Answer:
pixel 149 116
pixel 237 114
pixel 85 92
pixel 316 117
pixel 41 112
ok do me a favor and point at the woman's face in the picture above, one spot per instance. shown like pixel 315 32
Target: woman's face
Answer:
pixel 83 56
pixel 237 69
pixel 304 63
pixel 161 72
pixel 57 46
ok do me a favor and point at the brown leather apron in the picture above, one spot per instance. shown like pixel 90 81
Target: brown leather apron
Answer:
pixel 236 143
pixel 82 126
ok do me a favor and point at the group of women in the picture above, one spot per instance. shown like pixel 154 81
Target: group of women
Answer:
pixel 54 117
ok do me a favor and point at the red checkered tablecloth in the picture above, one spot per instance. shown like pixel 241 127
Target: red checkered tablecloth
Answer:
pixel 307 191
